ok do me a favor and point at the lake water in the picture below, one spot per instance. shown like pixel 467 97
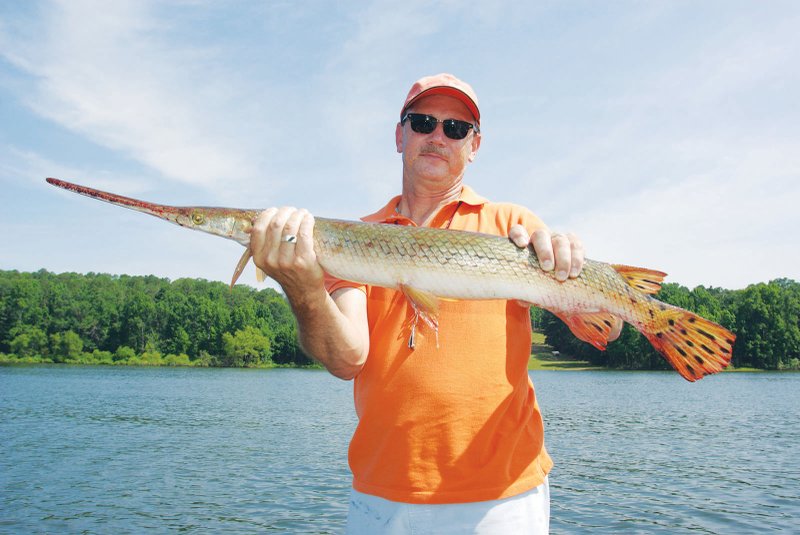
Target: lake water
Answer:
pixel 157 450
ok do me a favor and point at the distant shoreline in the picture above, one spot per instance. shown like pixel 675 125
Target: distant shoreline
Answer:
pixel 540 360
pixel 557 363
pixel 544 358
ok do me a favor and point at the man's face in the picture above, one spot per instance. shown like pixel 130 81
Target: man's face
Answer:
pixel 434 156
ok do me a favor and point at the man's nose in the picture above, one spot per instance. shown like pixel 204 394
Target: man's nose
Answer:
pixel 437 135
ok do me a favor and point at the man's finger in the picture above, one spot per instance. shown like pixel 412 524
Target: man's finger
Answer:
pixel 305 235
pixel 288 238
pixel 519 236
pixel 562 251
pixel 259 230
pixel 274 234
pixel 543 245
pixel 576 251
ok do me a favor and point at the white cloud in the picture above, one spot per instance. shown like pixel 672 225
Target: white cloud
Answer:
pixel 676 152
pixel 729 227
pixel 108 71
pixel 24 165
pixel 693 170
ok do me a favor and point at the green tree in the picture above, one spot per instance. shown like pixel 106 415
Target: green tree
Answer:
pixel 66 346
pixel 768 325
pixel 247 347
pixel 28 341
pixel 124 354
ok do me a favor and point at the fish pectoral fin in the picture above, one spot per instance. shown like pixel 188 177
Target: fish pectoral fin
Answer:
pixel 246 256
pixel 260 275
pixel 643 279
pixel 592 327
pixel 425 303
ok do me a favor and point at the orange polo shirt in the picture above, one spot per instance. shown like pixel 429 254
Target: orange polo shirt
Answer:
pixel 458 422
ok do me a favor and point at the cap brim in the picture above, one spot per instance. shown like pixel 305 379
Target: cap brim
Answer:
pixel 449 92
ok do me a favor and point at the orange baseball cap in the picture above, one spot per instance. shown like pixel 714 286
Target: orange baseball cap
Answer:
pixel 443 84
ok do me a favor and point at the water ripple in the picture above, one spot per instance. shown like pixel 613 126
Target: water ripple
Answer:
pixel 110 450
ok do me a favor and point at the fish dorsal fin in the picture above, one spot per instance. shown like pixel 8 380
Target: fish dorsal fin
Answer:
pixel 591 327
pixel 643 279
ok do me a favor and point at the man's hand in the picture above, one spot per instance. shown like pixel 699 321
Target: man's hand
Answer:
pixel 283 247
pixel 333 330
pixel 562 252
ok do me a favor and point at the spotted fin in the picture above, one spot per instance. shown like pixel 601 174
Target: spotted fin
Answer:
pixel 694 346
pixel 645 280
pixel 594 327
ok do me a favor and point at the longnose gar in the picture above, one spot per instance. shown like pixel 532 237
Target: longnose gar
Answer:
pixel 427 264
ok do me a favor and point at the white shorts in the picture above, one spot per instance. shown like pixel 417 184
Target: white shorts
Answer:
pixel 526 513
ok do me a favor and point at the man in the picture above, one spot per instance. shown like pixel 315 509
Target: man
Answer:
pixel 450 437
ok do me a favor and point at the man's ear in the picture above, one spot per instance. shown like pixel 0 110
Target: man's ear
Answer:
pixel 476 144
pixel 398 137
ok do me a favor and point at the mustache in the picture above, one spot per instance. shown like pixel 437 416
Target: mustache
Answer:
pixel 433 149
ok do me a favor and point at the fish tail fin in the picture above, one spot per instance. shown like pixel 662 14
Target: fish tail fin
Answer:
pixel 694 346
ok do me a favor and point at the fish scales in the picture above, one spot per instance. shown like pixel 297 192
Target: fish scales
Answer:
pixel 466 265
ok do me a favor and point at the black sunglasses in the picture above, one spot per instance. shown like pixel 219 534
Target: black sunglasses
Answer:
pixel 425 124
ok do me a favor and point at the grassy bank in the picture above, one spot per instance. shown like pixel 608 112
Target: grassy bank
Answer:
pixel 543 358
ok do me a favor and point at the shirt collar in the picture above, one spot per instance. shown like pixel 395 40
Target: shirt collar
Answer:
pixel 388 213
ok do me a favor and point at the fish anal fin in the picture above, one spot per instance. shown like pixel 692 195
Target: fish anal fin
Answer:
pixel 425 304
pixel 643 279
pixel 694 346
pixel 592 327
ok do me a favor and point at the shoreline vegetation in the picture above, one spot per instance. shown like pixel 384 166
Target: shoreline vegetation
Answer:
pixel 101 319
pixel 545 358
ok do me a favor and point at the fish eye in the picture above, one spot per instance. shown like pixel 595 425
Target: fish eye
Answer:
pixel 197 218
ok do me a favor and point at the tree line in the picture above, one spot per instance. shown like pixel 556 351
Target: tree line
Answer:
pixel 105 319
pixel 765 318
pixel 109 319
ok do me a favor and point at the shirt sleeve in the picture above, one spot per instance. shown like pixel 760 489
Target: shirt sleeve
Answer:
pixel 530 221
pixel 332 284
pixel 508 215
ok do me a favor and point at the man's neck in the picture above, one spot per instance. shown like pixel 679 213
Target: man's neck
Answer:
pixel 420 203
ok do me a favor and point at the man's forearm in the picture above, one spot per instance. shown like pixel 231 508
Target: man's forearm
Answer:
pixel 334 332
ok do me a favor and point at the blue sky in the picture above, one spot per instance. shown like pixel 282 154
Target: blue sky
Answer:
pixel 665 134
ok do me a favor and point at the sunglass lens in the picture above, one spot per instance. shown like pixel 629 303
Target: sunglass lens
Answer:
pixel 422 124
pixel 455 129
